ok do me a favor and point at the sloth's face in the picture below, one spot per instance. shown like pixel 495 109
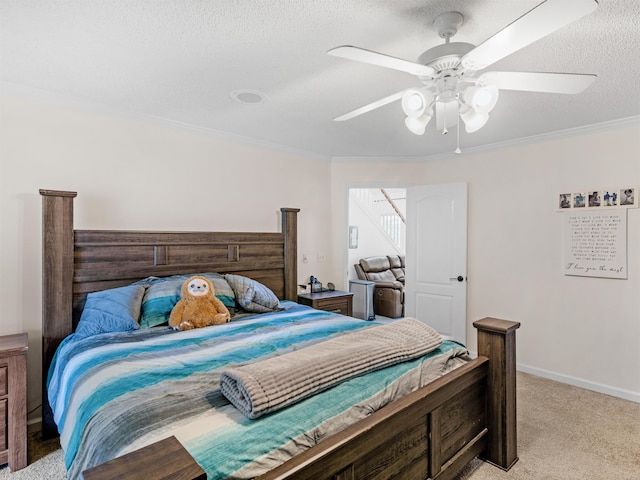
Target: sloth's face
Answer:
pixel 198 287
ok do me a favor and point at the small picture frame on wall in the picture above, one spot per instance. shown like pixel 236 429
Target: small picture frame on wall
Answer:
pixel 628 197
pixel 594 199
pixel 611 198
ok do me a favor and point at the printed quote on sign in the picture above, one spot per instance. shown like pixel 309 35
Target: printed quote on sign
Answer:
pixel 596 244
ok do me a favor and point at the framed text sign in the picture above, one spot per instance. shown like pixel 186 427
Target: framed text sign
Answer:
pixel 595 243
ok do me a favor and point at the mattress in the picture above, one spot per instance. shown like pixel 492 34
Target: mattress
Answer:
pixel 116 392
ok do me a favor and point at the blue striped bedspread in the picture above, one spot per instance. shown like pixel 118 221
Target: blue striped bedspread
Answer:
pixel 118 392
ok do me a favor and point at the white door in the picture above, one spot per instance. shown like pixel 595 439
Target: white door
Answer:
pixel 436 259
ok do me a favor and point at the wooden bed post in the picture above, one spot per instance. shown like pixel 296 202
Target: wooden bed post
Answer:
pixel 290 231
pixel 57 284
pixel 497 340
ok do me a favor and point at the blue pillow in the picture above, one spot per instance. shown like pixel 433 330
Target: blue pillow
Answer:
pixel 163 293
pixel 113 310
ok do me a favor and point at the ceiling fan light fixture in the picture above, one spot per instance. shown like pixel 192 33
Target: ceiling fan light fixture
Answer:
pixel 415 102
pixel 473 121
pixel 417 124
pixel 481 99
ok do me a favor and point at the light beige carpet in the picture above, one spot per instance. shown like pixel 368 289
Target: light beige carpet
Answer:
pixel 564 433
pixel 568 433
pixel 46 461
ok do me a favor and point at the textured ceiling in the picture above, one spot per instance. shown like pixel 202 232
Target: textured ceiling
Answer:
pixel 178 61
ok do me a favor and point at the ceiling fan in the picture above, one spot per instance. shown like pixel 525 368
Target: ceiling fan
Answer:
pixel 453 84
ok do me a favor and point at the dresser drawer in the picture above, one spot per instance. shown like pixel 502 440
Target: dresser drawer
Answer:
pixel 340 306
pixel 13 400
pixel 331 301
pixel 3 424
pixel 3 380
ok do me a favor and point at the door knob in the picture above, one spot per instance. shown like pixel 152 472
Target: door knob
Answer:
pixel 459 278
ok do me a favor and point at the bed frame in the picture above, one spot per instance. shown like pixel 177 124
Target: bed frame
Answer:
pixel 432 433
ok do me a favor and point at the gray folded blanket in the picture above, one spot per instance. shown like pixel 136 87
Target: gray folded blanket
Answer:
pixel 265 386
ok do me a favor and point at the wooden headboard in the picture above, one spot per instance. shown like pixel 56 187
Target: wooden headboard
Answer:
pixel 78 262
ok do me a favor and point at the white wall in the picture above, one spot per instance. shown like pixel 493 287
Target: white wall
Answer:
pixel 131 175
pixel 581 330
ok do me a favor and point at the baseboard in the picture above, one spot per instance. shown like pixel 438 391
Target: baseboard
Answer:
pixel 576 382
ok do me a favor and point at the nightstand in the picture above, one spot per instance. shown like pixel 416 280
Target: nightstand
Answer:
pixel 13 400
pixel 163 460
pixel 336 301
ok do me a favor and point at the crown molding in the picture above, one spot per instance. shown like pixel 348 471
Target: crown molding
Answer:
pixel 90 106
pixel 95 107
pixel 544 137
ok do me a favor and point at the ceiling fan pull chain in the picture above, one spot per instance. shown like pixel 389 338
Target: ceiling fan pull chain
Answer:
pixel 457 150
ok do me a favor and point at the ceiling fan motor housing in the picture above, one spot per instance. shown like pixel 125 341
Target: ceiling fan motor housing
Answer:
pixel 446 56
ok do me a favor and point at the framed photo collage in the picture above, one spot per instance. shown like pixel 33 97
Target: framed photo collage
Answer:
pixel 621 197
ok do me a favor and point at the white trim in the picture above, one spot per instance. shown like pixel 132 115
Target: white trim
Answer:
pixel 90 105
pixel 576 382
pixel 569 132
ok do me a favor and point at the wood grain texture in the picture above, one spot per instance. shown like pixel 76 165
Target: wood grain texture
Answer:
pixel 13 360
pixel 290 232
pixel 334 301
pixel 57 280
pixel 400 428
pixel 435 431
pixel 163 460
pixel 496 340
pixel 78 262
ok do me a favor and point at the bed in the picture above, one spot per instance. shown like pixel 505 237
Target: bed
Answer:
pixel 431 432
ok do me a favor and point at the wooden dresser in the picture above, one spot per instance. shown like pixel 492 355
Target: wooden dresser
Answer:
pixel 331 301
pixel 13 401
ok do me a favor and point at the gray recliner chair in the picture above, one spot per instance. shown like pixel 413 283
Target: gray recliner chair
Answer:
pixel 387 272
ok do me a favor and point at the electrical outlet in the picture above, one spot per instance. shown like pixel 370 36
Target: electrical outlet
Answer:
pixel 305 258
pixel 321 257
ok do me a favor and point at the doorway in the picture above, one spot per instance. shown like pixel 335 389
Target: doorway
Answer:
pixel 435 245
pixel 377 224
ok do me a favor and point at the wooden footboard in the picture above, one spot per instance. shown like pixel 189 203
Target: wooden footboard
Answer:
pixel 434 432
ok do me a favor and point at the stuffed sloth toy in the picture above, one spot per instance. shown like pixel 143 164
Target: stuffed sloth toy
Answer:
pixel 198 306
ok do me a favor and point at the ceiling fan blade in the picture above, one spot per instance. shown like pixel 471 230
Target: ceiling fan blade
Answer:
pixel 538 82
pixel 367 56
pixel 539 22
pixel 371 106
